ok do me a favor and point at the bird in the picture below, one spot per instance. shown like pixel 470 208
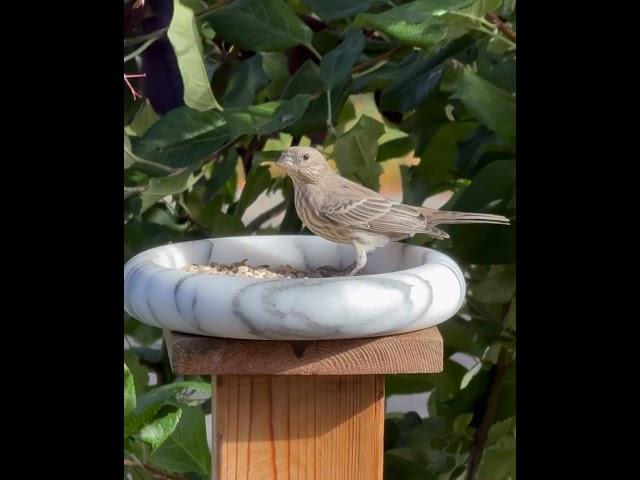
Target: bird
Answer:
pixel 345 212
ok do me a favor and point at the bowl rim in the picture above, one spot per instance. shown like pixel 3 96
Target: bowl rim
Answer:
pixel 145 261
pixel 426 250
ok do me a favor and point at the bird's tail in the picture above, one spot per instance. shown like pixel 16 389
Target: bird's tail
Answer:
pixel 443 217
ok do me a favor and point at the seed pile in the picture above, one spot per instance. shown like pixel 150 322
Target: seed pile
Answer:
pixel 241 269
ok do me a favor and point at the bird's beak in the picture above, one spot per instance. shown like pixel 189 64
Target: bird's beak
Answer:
pixel 285 161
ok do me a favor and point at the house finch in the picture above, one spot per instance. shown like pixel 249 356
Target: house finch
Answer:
pixel 343 211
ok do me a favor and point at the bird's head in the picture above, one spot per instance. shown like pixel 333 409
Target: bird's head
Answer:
pixel 305 164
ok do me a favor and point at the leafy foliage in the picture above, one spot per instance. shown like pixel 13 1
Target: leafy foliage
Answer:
pixel 424 90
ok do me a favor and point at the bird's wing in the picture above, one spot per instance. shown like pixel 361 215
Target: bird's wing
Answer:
pixel 356 212
pixel 359 207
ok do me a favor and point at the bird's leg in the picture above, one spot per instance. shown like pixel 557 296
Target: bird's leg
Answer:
pixel 361 259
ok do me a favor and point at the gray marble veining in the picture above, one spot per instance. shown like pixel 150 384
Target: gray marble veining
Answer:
pixel 403 288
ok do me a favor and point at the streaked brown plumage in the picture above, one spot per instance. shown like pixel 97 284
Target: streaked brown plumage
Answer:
pixel 343 211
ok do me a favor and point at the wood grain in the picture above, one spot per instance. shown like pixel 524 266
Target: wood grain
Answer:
pixel 298 427
pixel 415 352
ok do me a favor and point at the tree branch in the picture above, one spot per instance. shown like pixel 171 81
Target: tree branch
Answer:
pixel 501 26
pixel 158 33
pixel 375 60
pixel 482 433
pixel 156 472
pixel 128 42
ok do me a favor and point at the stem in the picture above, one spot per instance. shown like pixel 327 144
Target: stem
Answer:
pixel 482 433
pixel 142 161
pixel 158 33
pixel 473 303
pixel 380 59
pixel 128 42
pixel 506 30
pixel 131 191
pixel 156 472
pixel 140 49
pixel 211 8
pixel 257 222
pixel 330 115
pixel 313 50
pixel 491 33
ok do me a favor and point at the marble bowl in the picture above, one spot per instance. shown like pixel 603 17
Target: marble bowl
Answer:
pixel 402 288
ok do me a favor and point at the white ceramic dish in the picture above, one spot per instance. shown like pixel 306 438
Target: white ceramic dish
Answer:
pixel 402 288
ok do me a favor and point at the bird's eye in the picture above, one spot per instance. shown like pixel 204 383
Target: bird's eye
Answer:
pixel 306 156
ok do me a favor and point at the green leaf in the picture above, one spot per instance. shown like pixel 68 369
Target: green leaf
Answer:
pixel 129 157
pixel 129 392
pixel 330 10
pixel 426 432
pixel 143 120
pixel 413 23
pixel 139 373
pixel 183 136
pixel 174 183
pixel 257 182
pixel 426 121
pixel 499 461
pixel 396 148
pixel 159 188
pixel 265 118
pixel 138 419
pixel 387 73
pixel 471 150
pixel 409 91
pixel 461 423
pixel 435 172
pixel 355 152
pixel 472 372
pixel 185 39
pixel 493 106
pixel 421 78
pixel 447 383
pixel 159 429
pixel 405 464
pixel 500 70
pixel 220 224
pixel 489 192
pixel 510 319
pixel 151 402
pixel 457 335
pixel 335 66
pixel 305 81
pixel 501 429
pixel 475 390
pixel 404 384
pixel 275 66
pixel 260 25
pixel 247 79
pixel 160 395
pixel 141 332
pixel 482 7
pixel 223 171
pixel 186 450
pixel 498 286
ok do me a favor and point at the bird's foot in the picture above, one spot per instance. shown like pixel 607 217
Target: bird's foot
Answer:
pixel 352 269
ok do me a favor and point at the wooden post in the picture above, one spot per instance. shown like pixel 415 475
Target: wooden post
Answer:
pixel 293 410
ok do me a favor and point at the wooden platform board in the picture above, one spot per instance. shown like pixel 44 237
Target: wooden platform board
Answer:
pixel 415 352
